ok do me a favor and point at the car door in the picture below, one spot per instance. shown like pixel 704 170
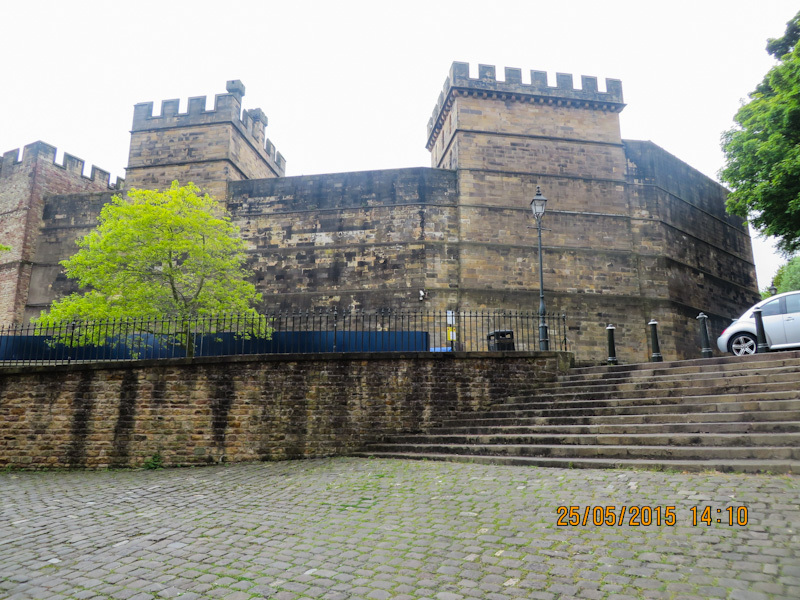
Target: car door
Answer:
pixel 791 320
pixel 772 314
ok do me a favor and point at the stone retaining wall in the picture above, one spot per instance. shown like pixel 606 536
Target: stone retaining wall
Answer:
pixel 209 410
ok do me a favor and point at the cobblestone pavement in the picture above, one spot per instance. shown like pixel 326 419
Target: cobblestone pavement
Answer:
pixel 351 528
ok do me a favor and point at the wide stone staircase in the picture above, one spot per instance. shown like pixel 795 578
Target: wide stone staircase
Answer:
pixel 724 414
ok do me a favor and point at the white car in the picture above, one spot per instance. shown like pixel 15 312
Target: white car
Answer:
pixel 781 315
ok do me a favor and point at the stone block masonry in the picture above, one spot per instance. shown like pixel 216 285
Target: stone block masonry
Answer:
pixel 202 411
pixel 633 233
pixel 370 239
pixel 207 147
pixel 25 184
pixel 66 218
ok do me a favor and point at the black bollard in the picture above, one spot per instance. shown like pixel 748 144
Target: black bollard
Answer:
pixel 761 335
pixel 656 356
pixel 705 352
pixel 612 349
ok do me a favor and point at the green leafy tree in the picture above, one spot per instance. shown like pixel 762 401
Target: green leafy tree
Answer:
pixel 763 150
pixel 172 254
pixel 787 279
pixel 777 47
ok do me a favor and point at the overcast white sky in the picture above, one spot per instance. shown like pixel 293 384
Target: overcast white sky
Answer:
pixel 349 86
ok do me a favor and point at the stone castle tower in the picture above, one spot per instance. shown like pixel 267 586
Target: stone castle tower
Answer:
pixel 45 207
pixel 207 147
pixel 29 184
pixel 634 233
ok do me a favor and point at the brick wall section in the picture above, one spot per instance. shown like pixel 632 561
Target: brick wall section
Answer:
pixel 24 185
pixel 245 408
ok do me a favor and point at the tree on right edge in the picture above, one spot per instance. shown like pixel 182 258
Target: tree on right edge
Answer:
pixel 762 151
pixel 787 279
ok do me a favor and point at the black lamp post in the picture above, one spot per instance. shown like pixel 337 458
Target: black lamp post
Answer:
pixel 772 290
pixel 538 205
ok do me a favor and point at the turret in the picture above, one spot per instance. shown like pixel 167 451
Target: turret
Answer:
pixel 487 105
pixel 25 183
pixel 207 147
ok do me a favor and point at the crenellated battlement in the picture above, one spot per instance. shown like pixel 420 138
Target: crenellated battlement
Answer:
pixel 227 109
pixel 486 85
pixel 31 153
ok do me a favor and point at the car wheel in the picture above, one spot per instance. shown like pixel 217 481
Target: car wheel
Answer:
pixel 742 344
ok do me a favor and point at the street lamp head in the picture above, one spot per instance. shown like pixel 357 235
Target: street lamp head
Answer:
pixel 538 204
pixel 773 290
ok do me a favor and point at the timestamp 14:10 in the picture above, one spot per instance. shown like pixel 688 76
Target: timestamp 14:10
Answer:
pixel 706 515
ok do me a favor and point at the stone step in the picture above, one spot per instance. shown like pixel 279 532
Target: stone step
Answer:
pixel 648 369
pixel 726 414
pixel 707 379
pixel 626 439
pixel 788 378
pixel 702 378
pixel 695 466
pixel 718 404
pixel 778 426
pixel 665 453
pixel 733 371
pixel 670 418
pixel 656 397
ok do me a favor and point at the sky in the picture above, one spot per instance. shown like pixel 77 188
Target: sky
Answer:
pixel 350 86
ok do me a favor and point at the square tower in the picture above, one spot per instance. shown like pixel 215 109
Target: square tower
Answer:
pixel 207 147
pixel 617 250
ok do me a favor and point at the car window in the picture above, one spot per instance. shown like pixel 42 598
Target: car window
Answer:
pixel 771 308
pixel 793 303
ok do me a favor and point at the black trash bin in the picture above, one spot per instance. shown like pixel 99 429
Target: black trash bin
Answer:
pixel 500 340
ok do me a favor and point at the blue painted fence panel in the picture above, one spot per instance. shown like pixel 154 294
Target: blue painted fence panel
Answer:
pixel 149 346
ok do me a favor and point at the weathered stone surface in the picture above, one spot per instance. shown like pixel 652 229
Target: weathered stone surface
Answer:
pixel 207 147
pixel 244 408
pixel 347 528
pixel 633 233
pixel 24 187
pixel 371 239
pixel 727 414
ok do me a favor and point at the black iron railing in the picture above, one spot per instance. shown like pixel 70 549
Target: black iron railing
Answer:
pixel 279 332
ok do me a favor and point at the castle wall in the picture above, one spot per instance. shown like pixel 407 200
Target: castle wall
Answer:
pixel 505 138
pixel 66 218
pixel 361 240
pixel 24 186
pixel 707 253
pixel 632 233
